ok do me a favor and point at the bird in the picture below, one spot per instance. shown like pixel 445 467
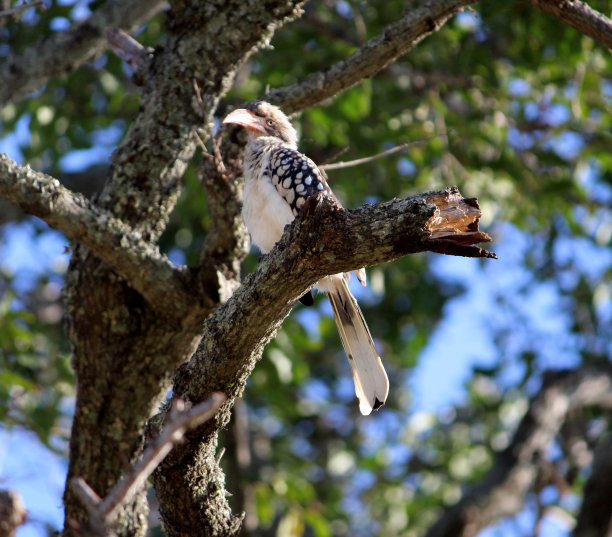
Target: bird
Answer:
pixel 278 181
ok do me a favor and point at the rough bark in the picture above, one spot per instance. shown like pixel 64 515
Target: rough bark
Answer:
pixel 144 324
pixel 138 261
pixel 581 16
pixel 502 491
pixel 124 360
pixel 324 240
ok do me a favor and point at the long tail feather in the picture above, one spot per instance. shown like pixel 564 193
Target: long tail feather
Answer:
pixel 371 382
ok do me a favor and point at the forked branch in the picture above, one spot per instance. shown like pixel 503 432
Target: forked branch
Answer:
pixel 102 512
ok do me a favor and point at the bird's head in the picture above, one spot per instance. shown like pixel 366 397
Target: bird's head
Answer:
pixel 260 118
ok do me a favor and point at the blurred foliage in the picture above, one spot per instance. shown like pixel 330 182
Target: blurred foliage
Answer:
pixel 36 381
pixel 505 102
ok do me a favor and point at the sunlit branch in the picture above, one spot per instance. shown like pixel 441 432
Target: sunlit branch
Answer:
pixel 373 56
pixel 126 47
pixel 580 16
pixel 139 261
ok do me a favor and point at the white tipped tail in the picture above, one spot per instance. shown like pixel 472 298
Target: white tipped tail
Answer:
pixel 371 382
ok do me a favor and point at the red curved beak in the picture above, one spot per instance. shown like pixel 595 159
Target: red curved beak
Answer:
pixel 241 116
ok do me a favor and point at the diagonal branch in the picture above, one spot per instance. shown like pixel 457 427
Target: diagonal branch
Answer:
pixel 323 240
pixel 370 58
pixel 502 491
pixel 365 62
pixel 140 262
pixel 126 47
pixel 580 16
pixel 365 160
pixel 103 512
pixel 64 51
pixel 21 7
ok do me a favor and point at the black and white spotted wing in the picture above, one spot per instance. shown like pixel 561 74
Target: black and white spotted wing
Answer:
pixel 295 177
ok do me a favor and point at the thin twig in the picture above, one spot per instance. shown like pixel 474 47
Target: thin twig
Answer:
pixel 216 145
pixel 216 157
pixel 13 11
pixel 348 164
pixel 216 142
pixel 102 512
pixel 220 455
pixel 200 142
pixel 196 88
pixel 334 157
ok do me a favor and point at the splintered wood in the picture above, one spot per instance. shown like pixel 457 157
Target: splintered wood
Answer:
pixel 456 220
pixel 455 217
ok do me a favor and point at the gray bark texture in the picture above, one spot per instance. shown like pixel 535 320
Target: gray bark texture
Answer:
pixel 138 325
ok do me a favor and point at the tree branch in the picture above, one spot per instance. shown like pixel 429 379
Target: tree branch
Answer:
pixel 502 491
pixel 103 512
pixel 124 359
pixel 323 240
pixel 580 16
pixel 365 160
pixel 126 47
pixel 65 51
pixel 20 7
pixel 370 58
pixel 138 261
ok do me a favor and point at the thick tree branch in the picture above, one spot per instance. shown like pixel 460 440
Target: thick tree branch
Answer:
pixel 123 361
pixel 227 241
pixel 323 240
pixel 65 51
pixel 502 491
pixel 370 58
pixel 581 16
pixel 138 261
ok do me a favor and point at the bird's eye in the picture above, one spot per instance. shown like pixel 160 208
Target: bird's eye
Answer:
pixel 269 123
